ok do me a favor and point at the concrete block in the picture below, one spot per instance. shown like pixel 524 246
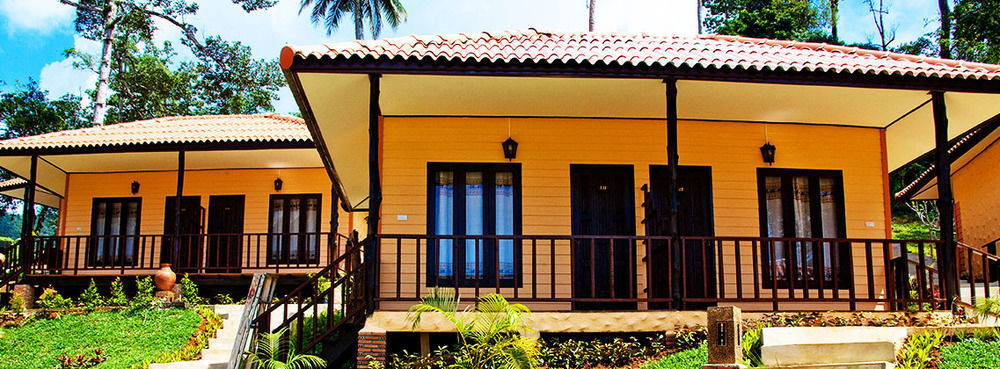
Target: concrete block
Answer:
pixel 828 353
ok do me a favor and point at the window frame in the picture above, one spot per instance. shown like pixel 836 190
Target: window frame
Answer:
pixel 844 264
pixel 285 258
pixel 489 171
pixel 94 238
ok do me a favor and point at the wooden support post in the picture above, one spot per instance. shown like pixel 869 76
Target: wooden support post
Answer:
pixel 672 157
pixel 947 255
pixel 174 257
pixel 374 189
pixel 28 217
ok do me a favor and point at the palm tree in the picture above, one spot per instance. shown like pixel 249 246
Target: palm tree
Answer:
pixel 945 41
pixel 331 12
pixel 271 348
pixel 491 335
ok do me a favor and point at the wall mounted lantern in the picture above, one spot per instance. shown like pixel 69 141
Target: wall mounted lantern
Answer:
pixel 278 183
pixel 135 187
pixel 509 148
pixel 767 153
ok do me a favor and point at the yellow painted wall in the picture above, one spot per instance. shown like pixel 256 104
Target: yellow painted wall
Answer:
pixel 549 145
pixel 977 194
pixel 155 187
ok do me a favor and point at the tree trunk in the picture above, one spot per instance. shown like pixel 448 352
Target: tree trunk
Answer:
pixel 698 5
pixel 834 5
pixel 591 23
pixel 104 71
pixel 359 24
pixel 945 41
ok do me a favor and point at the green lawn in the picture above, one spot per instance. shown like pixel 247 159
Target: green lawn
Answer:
pixel 971 354
pixel 127 338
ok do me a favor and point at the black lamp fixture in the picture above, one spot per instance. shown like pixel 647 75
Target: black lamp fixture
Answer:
pixel 135 187
pixel 509 148
pixel 278 183
pixel 767 152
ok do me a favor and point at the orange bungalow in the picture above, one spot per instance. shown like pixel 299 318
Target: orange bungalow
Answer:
pixel 632 176
pixel 254 197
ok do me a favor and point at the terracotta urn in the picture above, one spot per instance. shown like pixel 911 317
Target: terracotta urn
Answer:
pixel 164 278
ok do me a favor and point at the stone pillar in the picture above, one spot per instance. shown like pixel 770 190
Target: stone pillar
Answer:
pixel 725 336
pixel 371 347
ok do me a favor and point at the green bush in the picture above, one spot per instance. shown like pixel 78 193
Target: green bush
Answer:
pixel 617 351
pixel 971 353
pixel 222 299
pixel 691 338
pixel 688 359
pixel 189 291
pixel 320 324
pixel 753 341
pixel 91 298
pixel 17 303
pixel 144 298
pixel 50 299
pixel 117 297
pixel 919 350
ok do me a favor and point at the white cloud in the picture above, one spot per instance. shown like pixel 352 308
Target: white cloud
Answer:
pixel 42 16
pixel 61 78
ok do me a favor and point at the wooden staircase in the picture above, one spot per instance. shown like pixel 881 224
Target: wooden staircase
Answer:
pixel 305 311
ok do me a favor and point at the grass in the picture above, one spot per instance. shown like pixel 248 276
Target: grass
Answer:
pixel 687 359
pixel 971 353
pixel 910 231
pixel 128 338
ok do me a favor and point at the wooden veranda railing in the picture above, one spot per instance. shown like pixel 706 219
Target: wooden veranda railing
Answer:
pixel 192 253
pixel 661 273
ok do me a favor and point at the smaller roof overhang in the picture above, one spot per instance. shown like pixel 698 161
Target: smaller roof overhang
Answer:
pixel 256 141
pixel 15 188
pixel 961 151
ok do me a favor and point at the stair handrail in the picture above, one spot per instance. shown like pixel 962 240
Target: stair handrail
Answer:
pixel 350 279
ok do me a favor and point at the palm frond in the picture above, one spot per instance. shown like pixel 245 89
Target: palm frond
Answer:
pixel 987 308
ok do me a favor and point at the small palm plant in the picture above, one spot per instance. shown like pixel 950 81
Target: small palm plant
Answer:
pixel 493 334
pixel 274 351
pixel 987 308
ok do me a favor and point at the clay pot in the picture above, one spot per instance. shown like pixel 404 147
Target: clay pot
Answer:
pixel 164 278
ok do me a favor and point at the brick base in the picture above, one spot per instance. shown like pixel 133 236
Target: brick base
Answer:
pixel 371 348
pixel 27 292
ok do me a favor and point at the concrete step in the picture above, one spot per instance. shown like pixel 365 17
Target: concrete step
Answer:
pixel 869 365
pixel 837 346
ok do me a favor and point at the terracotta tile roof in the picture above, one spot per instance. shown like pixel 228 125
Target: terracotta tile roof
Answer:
pixel 207 129
pixel 639 50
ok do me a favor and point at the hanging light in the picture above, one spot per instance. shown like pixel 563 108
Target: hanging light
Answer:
pixel 135 187
pixel 767 153
pixel 509 148
pixel 278 183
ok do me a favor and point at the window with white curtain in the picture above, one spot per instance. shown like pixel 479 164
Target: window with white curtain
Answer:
pixel 114 231
pixel 294 229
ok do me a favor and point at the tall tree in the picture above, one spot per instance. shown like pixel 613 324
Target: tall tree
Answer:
pixel 331 13
pixel 590 9
pixel 834 18
pixel 103 20
pixel 775 19
pixel 976 31
pixel 885 32
pixel 944 41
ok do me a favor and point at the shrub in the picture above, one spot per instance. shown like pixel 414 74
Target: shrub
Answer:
pixel 222 299
pixel 144 298
pixel 117 297
pixel 17 303
pixel 91 298
pixel 613 352
pixel 919 350
pixel 316 324
pixel 50 299
pixel 688 359
pixel 971 353
pixel 691 338
pixel 189 291
pixel 208 328
pixel 753 341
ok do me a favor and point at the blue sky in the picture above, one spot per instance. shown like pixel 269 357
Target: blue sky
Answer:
pixel 34 33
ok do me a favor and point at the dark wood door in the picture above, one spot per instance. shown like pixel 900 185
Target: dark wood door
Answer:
pixel 603 204
pixel 225 234
pixel 189 248
pixel 690 273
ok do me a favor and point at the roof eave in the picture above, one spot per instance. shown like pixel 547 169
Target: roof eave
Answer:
pixel 159 147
